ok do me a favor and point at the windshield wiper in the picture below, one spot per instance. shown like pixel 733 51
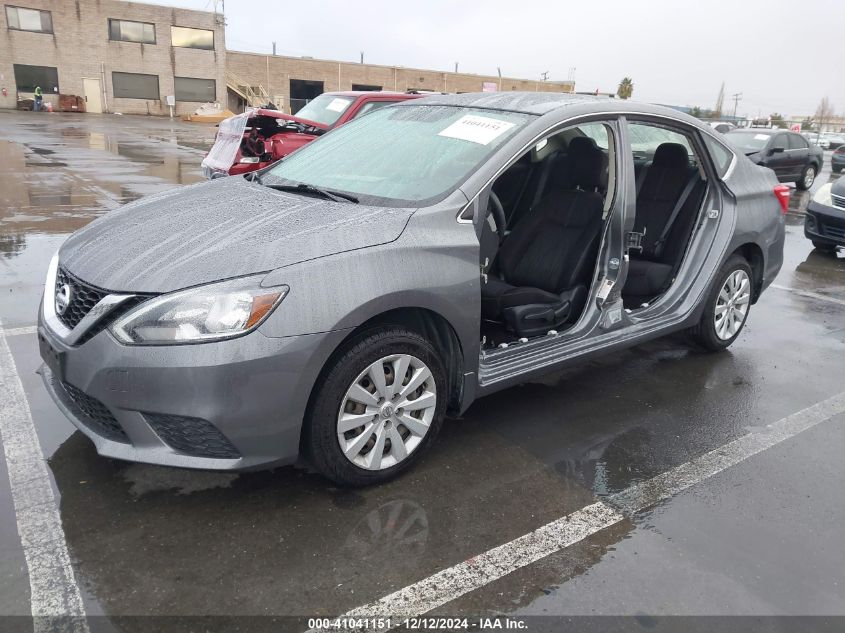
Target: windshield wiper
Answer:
pixel 336 196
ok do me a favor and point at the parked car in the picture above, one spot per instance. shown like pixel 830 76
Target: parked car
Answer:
pixel 337 305
pixel 824 222
pixel 722 126
pixel 788 154
pixel 260 137
pixel 837 159
pixel 834 141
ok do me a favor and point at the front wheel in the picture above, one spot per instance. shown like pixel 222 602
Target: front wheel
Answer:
pixel 808 177
pixel 377 408
pixel 726 306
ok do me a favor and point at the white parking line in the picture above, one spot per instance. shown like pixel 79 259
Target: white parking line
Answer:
pixel 454 582
pixel 810 294
pixel 53 588
pixel 17 331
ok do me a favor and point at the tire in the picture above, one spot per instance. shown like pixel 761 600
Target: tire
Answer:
pixel 808 177
pixel 826 248
pixel 707 332
pixel 337 395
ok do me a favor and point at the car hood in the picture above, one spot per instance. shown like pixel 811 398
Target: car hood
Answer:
pixel 215 230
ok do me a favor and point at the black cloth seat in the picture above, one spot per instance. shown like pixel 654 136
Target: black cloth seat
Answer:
pixel 670 174
pixel 546 263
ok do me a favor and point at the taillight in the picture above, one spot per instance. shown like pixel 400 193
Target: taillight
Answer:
pixel 782 194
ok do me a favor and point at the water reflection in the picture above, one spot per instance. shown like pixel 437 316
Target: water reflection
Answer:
pixel 58 174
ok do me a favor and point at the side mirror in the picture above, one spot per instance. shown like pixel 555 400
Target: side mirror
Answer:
pixel 776 150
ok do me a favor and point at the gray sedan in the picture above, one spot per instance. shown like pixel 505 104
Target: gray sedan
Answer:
pixel 337 306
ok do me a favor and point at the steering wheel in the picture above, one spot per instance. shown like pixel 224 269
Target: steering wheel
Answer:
pixel 495 205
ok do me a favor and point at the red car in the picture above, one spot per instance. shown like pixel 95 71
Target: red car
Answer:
pixel 257 138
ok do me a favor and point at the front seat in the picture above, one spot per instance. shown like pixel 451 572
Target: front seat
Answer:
pixel 545 264
pixel 666 208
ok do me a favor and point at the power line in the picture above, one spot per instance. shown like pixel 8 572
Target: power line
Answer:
pixel 737 97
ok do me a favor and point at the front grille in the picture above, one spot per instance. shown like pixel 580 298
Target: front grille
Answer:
pixel 838 201
pixel 83 297
pixel 94 415
pixel 192 436
pixel 111 317
pixel 833 231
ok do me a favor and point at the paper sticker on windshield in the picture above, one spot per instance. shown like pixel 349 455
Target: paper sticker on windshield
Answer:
pixel 477 129
pixel 762 137
pixel 337 105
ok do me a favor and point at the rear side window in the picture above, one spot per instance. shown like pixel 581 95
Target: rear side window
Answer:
pixel 646 138
pixel 722 157
pixel 797 142
pixel 780 141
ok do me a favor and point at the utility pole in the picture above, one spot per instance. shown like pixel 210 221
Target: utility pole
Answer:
pixel 362 57
pixel 545 75
pixel 737 97
pixel 456 68
pixel 274 49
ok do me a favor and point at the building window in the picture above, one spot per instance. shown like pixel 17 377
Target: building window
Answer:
pixel 184 37
pixel 134 86
pixel 192 89
pixel 29 20
pixel 366 87
pixel 27 78
pixel 128 31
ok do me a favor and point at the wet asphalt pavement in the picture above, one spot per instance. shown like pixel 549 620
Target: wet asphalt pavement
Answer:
pixel 764 537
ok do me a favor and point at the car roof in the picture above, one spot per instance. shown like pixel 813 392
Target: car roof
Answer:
pixel 380 93
pixel 541 103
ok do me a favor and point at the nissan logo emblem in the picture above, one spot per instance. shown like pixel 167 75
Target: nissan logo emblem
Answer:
pixel 63 297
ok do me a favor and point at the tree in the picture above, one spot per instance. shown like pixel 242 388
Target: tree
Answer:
pixel 824 112
pixel 626 88
pixel 695 111
pixel 808 124
pixel 777 120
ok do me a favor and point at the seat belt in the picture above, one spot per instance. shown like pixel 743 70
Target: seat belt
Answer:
pixel 658 245
pixel 641 179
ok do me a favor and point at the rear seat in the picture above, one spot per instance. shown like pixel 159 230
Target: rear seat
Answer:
pixel 669 177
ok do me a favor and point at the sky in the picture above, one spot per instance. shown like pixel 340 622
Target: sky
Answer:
pixel 780 55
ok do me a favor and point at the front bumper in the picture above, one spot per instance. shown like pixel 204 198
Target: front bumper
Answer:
pixel 825 224
pixel 228 405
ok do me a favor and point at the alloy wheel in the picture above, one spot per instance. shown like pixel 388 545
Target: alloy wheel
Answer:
pixel 732 305
pixel 809 177
pixel 386 412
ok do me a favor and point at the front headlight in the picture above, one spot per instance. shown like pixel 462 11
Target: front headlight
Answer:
pixel 823 195
pixel 205 313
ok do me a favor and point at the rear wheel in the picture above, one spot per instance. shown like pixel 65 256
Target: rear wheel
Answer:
pixel 808 177
pixel 726 306
pixel 378 407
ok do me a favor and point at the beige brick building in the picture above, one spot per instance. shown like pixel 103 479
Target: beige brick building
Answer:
pixel 120 56
pixel 292 80
pixel 130 57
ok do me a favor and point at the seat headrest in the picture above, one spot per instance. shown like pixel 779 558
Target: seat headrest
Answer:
pixel 672 155
pixel 584 164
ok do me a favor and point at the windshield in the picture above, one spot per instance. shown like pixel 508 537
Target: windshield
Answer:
pixel 403 156
pixel 325 109
pixel 748 142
